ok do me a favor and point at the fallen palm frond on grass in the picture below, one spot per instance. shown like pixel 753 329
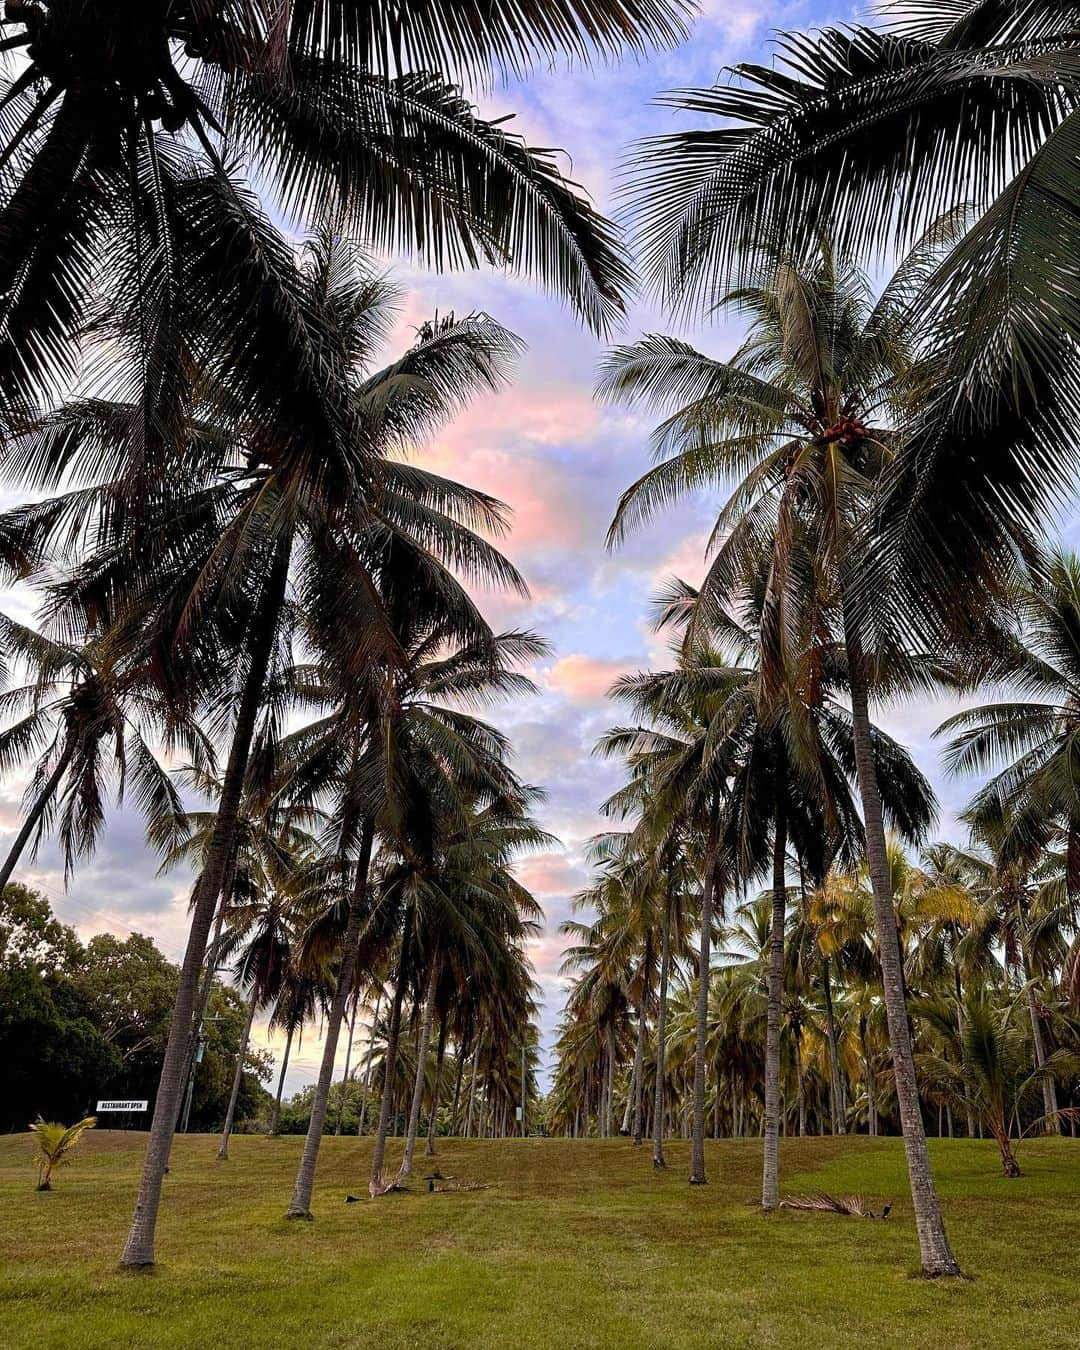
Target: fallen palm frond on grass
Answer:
pixel 822 1203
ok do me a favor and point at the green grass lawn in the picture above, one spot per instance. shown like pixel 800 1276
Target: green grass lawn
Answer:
pixel 573 1244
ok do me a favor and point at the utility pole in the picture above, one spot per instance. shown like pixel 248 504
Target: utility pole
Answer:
pixel 196 1060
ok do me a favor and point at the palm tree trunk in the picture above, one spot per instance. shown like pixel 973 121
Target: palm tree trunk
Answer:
pixel 1038 1046
pixel 234 1095
pixel 935 1253
pixel 634 1098
pixel 275 1115
pixel 472 1092
pixel 836 1094
pixel 639 1052
pixel 421 1072
pixel 139 1247
pixel 960 1029
pixel 345 1076
pixel 41 801
pixel 661 1033
pixel 697 1147
pixel 770 1174
pixel 300 1204
pixel 868 1073
pixel 440 1056
pixel 367 1066
pixel 393 1035
pixel 609 1095
pixel 797 1038
pixel 459 1074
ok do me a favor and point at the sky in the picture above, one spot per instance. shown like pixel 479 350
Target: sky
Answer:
pixel 560 461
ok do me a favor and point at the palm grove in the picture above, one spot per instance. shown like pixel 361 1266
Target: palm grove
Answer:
pixel 256 615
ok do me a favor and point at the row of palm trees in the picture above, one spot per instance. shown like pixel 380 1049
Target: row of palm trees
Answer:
pixel 889 459
pixel 997 1035
pixel 225 534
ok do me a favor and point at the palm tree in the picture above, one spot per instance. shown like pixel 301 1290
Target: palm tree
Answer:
pixel 307 497
pixel 83 708
pixel 968 108
pixel 118 125
pixel 406 753
pixel 802 414
pixel 263 932
pixel 55 1145
pixel 990 1077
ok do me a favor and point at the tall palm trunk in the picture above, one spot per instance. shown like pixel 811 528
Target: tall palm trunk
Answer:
pixel 796 1037
pixel 868 1074
pixel 393 1035
pixel 661 1034
pixel 345 1076
pixel 770 1172
pixel 367 1067
pixel 300 1204
pixel 1038 1046
pixel 440 1057
pixel 639 1051
pixel 960 1029
pixel 33 816
pixel 935 1253
pixel 628 1108
pixel 421 1071
pixel 275 1114
pixel 472 1092
pixel 697 1146
pixel 139 1247
pixel 836 1086
pixel 459 1075
pixel 238 1077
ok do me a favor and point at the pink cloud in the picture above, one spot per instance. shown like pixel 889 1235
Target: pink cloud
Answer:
pixel 586 678
pixel 549 875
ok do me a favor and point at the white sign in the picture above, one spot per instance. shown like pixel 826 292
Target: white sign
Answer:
pixel 123 1106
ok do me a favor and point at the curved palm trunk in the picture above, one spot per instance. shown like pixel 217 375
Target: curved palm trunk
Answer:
pixel 238 1077
pixel 936 1254
pixel 300 1204
pixel 367 1067
pixel 33 816
pixel 440 1058
pixel 421 1072
pixel 345 1078
pixel 139 1247
pixel 697 1146
pixel 275 1115
pixel 393 1035
pixel 770 1172
pixel 661 1034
